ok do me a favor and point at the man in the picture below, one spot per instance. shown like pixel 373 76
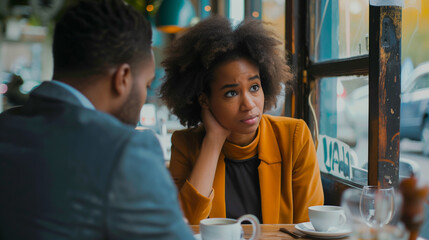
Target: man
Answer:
pixel 69 166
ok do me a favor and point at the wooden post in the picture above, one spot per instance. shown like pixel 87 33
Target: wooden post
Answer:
pixel 384 94
pixel 296 45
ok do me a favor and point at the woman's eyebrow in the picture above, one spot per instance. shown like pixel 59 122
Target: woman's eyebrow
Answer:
pixel 254 77
pixel 229 86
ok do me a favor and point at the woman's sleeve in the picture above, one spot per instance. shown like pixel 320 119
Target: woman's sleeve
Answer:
pixel 306 181
pixel 194 205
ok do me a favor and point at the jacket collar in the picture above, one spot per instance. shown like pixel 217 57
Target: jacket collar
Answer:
pixel 55 92
pixel 269 172
pixel 268 149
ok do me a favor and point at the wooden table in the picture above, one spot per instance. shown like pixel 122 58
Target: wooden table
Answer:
pixel 268 231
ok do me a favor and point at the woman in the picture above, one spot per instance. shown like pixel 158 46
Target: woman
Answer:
pixel 233 159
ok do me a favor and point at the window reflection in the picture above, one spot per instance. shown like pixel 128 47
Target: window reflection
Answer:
pixel 343 136
pixel 338 29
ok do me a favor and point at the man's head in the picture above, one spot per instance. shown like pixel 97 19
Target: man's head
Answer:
pixel 103 48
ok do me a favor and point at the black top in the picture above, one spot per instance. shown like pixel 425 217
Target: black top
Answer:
pixel 242 192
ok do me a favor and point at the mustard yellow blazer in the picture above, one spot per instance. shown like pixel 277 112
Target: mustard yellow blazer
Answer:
pixel 289 173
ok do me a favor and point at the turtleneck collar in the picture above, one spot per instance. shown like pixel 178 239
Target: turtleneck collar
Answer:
pixel 236 152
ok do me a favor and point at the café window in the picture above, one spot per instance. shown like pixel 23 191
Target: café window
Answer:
pixel 367 111
pixel 342 146
pixel 338 33
pixel 339 29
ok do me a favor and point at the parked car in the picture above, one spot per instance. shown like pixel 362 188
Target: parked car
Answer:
pixel 414 123
pixel 415 107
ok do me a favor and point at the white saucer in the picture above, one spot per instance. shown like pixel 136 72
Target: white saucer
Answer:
pixel 308 229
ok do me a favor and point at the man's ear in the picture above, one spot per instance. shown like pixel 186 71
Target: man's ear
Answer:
pixel 203 101
pixel 122 80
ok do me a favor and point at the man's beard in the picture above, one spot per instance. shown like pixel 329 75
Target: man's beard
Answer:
pixel 129 113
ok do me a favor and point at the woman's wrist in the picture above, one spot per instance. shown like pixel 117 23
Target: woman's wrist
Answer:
pixel 204 169
pixel 213 141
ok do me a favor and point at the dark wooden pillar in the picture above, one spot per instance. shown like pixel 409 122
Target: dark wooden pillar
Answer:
pixel 296 46
pixel 384 94
pixel 289 108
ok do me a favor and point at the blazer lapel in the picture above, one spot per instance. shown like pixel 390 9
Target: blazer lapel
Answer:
pixel 218 204
pixel 269 173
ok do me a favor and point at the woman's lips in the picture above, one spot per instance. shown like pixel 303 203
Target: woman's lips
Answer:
pixel 252 120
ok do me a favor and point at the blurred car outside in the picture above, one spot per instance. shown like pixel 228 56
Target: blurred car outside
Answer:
pixel 414 122
pixel 415 107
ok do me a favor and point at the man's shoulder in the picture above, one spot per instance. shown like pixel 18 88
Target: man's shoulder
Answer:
pixel 106 124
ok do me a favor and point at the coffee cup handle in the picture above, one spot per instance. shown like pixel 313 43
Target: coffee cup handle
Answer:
pixel 343 219
pixel 256 227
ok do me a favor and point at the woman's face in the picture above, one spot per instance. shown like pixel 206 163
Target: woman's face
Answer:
pixel 237 99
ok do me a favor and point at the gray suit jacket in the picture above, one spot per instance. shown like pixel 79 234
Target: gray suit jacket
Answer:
pixel 68 172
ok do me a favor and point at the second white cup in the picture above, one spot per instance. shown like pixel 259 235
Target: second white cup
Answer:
pixel 326 218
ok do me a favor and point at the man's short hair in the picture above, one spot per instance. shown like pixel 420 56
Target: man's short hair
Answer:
pixel 95 35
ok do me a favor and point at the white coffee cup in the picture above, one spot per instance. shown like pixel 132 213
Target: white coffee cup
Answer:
pixel 326 218
pixel 228 228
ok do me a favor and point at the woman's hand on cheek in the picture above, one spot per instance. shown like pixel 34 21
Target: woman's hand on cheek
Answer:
pixel 204 170
pixel 214 130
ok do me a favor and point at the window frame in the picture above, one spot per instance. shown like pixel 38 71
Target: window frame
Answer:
pixel 375 65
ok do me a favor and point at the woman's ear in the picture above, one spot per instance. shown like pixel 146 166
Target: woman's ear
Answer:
pixel 204 101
